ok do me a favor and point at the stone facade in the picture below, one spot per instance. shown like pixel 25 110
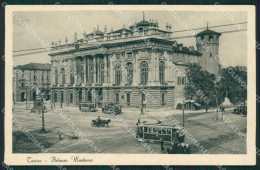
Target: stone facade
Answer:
pixel 30 77
pixel 126 66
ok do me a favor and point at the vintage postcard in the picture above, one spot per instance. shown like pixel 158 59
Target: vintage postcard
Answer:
pixel 130 85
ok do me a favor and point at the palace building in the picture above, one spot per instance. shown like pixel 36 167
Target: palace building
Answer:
pixel 141 64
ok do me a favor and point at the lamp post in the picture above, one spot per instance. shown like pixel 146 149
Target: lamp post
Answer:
pixel 142 104
pixel 43 124
pixel 26 97
pixel 183 113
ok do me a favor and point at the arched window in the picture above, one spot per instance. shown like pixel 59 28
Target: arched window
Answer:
pixel 62 72
pixel 56 76
pixel 102 73
pixel 210 38
pixel 71 76
pixel 129 67
pixel 144 72
pixel 118 73
pixel 161 72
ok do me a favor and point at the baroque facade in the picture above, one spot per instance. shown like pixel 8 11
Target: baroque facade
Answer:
pixel 131 66
pixel 30 77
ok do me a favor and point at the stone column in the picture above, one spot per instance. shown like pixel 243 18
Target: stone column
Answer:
pixel 85 68
pixel 111 70
pixel 74 63
pixel 94 69
pixel 135 71
pixel 166 64
pixel 67 72
pixel 157 67
pixel 83 95
pixel 105 69
pixel 98 69
pixel 154 68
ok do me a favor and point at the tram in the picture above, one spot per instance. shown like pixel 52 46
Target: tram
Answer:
pixel 160 132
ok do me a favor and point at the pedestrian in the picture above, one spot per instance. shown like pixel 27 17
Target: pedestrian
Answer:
pixel 59 135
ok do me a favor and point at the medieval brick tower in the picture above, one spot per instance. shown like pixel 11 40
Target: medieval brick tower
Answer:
pixel 207 43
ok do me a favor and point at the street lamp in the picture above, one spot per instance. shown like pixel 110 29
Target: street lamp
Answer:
pixel 183 113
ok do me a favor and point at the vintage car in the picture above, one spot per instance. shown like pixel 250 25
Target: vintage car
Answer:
pixel 87 107
pixel 110 108
pixel 240 109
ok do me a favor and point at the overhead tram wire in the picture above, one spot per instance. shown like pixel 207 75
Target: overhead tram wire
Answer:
pixel 209 27
pixel 151 35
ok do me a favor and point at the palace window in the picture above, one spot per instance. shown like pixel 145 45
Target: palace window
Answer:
pixel 48 78
pixel 210 38
pixel 55 97
pixel 34 77
pixel 118 56
pixel 178 80
pixel 71 97
pixel 62 76
pixel 181 80
pixel 163 99
pixel 118 73
pixel 71 76
pixel 91 72
pixel 42 78
pixel 144 72
pixel 117 97
pixel 161 72
pixel 56 76
pixel 82 71
pixel 130 75
pixel 102 73
pixel 129 55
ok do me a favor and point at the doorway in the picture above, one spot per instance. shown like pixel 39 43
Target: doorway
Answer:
pixel 22 96
pixel 128 99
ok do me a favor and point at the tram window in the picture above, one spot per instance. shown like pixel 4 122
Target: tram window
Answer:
pixel 160 131
pixel 155 130
pixel 168 131
pixel 145 129
pixel 163 131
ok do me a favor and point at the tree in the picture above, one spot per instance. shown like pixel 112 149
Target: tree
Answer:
pixel 200 84
pixel 233 83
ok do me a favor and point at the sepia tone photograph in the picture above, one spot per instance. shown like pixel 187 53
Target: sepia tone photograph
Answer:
pixel 159 80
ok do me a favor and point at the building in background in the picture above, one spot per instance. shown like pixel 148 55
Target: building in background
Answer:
pixel 29 78
pixel 141 64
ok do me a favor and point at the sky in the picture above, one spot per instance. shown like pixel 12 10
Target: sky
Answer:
pixel 57 25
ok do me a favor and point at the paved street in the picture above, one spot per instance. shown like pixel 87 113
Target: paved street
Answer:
pixel 217 138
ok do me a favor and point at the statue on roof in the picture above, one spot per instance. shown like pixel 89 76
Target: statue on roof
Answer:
pixel 75 37
pixel 105 29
